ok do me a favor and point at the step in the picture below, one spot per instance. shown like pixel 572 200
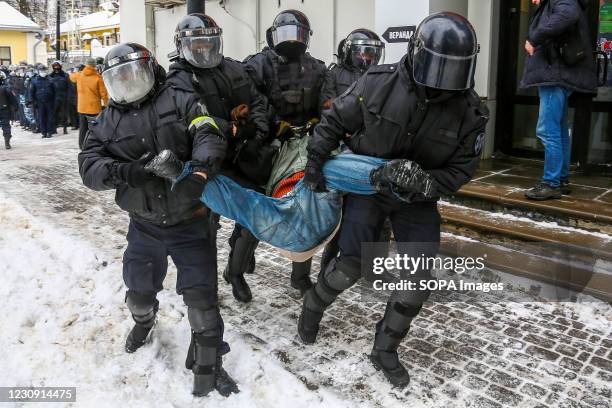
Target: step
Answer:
pixel 525 264
pixel 523 229
pixel 593 210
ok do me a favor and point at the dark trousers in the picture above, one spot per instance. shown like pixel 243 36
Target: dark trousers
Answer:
pixel 73 115
pixel 46 121
pixel 5 123
pixel 416 228
pixel 61 115
pixel 83 128
pixel 191 247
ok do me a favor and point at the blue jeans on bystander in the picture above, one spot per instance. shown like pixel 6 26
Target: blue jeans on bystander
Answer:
pixel 553 131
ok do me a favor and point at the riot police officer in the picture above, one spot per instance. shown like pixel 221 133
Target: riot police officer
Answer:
pixel 291 79
pixel 146 116
pixel 226 89
pixel 359 51
pixel 8 104
pixel 423 109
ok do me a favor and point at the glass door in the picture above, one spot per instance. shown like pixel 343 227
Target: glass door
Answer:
pixel 517 112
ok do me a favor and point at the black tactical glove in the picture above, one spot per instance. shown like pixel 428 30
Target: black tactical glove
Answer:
pixel 134 173
pixel 313 177
pixel 403 176
pixel 166 165
pixel 191 187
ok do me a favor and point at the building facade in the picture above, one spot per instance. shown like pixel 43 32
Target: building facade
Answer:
pixel 20 38
pixel 500 24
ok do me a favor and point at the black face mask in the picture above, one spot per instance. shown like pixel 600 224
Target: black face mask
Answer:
pixel 58 70
pixel 291 51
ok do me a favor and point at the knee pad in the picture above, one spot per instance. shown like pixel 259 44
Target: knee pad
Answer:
pixel 205 322
pixel 200 297
pixel 142 306
pixel 341 274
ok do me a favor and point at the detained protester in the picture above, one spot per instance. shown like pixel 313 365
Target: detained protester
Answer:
pixel 423 109
pixel 42 98
pixel 60 82
pixel 144 117
pixel 557 71
pixel 8 105
pixel 228 93
pixel 359 51
pixel 291 79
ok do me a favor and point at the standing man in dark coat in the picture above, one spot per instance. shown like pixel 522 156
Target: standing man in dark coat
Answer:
pixel 42 97
pixel 291 79
pixel 145 117
pixel 8 105
pixel 557 77
pixel 60 81
pixel 423 109
pixel 226 89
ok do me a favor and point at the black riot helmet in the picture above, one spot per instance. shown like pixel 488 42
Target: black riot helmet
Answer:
pixel 129 73
pixel 443 52
pixel 290 33
pixel 199 40
pixel 362 49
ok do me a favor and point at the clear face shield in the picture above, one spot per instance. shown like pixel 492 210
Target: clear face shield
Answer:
pixel 366 53
pixel 129 82
pixel 203 51
pixel 445 72
pixel 291 40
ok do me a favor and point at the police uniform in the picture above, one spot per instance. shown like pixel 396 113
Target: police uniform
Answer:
pixel 338 78
pixel 223 88
pixel 8 103
pixel 293 91
pixel 390 117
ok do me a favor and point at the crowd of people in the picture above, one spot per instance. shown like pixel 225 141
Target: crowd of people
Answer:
pixel 42 100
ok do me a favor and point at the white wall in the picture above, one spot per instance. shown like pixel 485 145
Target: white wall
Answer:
pixel 38 54
pixel 394 13
pixel 456 6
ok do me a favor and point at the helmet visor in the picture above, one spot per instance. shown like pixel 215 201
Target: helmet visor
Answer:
pixel 364 54
pixel 202 51
pixel 129 82
pixel 291 33
pixel 446 72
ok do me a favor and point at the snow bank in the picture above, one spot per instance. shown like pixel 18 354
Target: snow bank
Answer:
pixel 64 324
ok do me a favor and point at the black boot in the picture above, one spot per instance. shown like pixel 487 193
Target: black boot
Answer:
pixel 138 337
pixel 44 135
pixel 224 383
pixel 7 143
pixel 390 331
pixel 542 192
pixel 565 187
pixel 310 318
pixel 243 245
pixel 144 309
pixel 65 130
pixel 300 276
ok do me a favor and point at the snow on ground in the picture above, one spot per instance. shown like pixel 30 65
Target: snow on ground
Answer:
pixel 63 325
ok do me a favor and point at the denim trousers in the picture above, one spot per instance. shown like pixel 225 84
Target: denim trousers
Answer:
pixel 553 131
pixel 302 219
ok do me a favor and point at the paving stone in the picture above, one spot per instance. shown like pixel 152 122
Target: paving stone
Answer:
pixel 570 364
pixel 504 379
pixel 541 353
pixel 602 363
pixel 476 368
pixel 475 383
pixel 534 391
pixel 567 350
pixel 504 396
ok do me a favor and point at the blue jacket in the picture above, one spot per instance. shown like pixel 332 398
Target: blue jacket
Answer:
pixel 42 91
pixel 60 82
pixel 553 19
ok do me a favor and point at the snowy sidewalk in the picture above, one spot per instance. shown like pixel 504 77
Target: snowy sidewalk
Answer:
pixel 64 321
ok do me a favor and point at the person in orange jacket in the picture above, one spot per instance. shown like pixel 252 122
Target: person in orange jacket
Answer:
pixel 90 94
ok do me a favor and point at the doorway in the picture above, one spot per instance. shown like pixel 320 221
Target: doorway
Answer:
pixel 517 111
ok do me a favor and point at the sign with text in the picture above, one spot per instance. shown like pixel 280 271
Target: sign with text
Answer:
pixel 398 34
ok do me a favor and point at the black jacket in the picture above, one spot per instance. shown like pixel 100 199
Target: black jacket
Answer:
pixel 60 83
pixel 222 88
pixel 42 91
pixel 390 117
pixel 552 19
pixel 292 88
pixel 121 135
pixel 338 79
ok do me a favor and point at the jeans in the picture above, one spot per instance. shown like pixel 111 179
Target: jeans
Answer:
pixel 553 131
pixel 302 219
